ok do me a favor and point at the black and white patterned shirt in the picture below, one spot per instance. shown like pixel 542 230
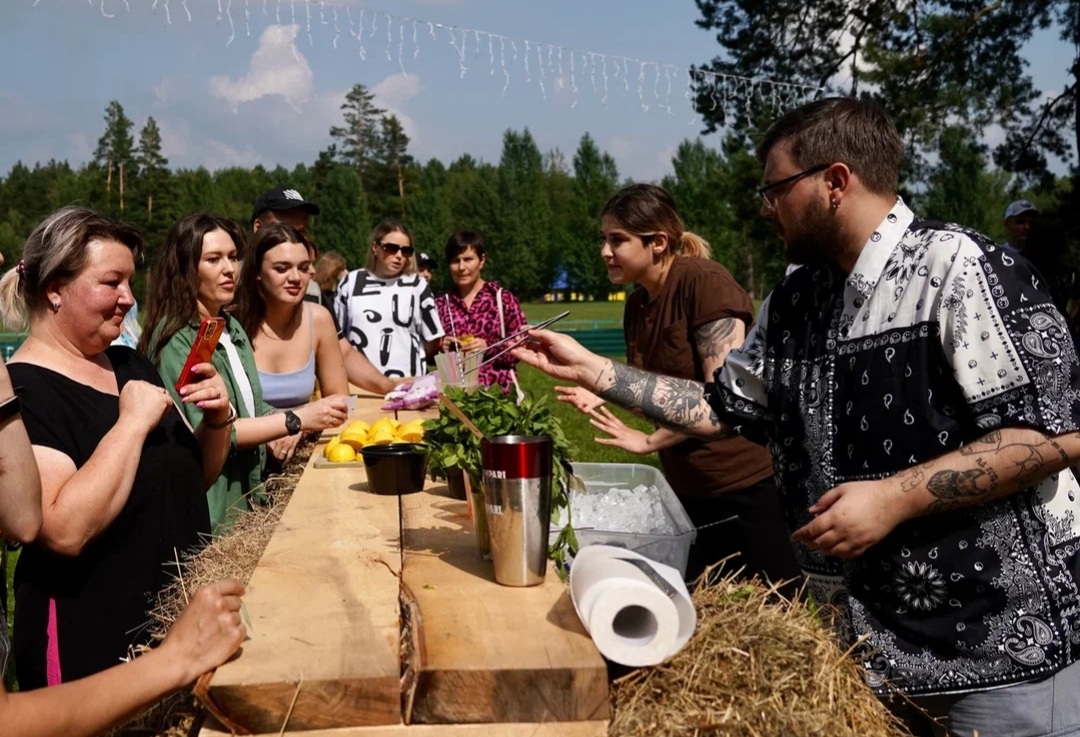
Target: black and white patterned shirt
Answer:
pixel 935 338
pixel 388 320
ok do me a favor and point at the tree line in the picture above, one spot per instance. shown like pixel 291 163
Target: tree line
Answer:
pixel 537 210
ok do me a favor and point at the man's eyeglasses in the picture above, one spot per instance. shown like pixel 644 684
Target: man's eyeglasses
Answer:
pixel 393 248
pixel 764 191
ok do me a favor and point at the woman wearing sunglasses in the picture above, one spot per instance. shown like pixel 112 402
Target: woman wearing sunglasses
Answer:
pixel 386 310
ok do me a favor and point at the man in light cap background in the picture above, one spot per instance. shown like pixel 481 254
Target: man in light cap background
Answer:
pixel 1019 217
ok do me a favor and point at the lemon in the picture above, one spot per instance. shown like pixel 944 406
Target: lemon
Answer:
pixel 358 426
pixel 334 442
pixel 381 436
pixel 411 432
pixel 355 440
pixel 342 453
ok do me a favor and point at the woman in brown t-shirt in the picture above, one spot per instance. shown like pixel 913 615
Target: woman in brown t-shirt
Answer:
pixel 686 314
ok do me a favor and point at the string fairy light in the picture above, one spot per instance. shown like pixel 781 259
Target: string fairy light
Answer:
pixel 554 67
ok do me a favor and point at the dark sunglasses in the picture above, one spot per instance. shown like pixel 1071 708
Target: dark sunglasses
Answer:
pixel 393 248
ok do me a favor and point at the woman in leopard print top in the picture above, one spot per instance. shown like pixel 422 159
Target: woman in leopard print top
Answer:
pixel 470 311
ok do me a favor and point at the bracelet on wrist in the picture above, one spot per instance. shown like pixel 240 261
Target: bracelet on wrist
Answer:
pixel 222 425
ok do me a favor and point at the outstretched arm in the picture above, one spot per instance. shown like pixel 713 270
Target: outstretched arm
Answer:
pixel 678 404
pixel 205 635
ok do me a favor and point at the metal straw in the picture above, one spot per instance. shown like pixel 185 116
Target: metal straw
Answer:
pixel 518 334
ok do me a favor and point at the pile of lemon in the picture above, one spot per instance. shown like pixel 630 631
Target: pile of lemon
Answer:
pixel 345 448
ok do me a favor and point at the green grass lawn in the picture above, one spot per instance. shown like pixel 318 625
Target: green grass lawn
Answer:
pixel 578 431
pixel 583 315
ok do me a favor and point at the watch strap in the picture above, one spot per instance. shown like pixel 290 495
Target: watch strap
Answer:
pixel 293 425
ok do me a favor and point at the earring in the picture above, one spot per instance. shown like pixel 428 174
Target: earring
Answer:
pixel 55 306
pixel 835 205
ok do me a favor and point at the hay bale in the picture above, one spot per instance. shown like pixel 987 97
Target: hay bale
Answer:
pixel 233 555
pixel 757 665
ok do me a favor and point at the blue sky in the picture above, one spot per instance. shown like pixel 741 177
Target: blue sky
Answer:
pixel 266 89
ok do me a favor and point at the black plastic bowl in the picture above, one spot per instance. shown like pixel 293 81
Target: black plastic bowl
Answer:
pixel 398 468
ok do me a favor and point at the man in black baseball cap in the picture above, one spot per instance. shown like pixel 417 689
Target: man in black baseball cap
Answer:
pixel 282 205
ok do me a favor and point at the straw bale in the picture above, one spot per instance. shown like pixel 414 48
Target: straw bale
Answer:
pixel 232 555
pixel 757 665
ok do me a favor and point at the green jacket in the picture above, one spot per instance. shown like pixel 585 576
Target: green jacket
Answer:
pixel 240 481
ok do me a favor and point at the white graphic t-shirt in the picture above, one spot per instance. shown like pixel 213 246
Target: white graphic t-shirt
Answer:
pixel 388 320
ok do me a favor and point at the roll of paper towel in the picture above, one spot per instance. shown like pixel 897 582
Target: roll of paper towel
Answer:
pixel 637 611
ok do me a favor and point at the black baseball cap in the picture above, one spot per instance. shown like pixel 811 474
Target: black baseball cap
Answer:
pixel 423 259
pixel 282 199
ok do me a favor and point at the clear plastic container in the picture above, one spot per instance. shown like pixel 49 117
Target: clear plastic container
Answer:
pixel 672 550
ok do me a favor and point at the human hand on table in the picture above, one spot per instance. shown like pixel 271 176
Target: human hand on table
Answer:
pixel 852 517
pixel 208 631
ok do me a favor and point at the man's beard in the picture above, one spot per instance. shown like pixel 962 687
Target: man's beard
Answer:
pixel 815 237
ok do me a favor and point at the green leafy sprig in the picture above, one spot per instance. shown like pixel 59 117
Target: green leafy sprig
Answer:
pixel 452 446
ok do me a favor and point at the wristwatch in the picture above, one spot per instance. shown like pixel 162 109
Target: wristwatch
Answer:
pixel 292 423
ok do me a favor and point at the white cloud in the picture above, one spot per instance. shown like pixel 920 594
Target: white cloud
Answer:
pixel 277 68
pixel 221 155
pixel 392 94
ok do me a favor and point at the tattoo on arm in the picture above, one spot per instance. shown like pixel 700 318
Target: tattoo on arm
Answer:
pixel 996 465
pixel 714 339
pixel 678 404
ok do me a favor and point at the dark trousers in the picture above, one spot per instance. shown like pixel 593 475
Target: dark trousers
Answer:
pixel 757 540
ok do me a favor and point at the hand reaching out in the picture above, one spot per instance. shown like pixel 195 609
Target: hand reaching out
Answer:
pixel 582 399
pixel 622 436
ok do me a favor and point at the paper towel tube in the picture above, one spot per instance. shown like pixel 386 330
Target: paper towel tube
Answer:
pixel 637 611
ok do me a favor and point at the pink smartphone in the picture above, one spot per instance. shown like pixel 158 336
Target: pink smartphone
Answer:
pixel 203 348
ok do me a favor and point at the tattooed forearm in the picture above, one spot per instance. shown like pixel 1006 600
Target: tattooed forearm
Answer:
pixel 1000 463
pixel 678 404
pixel 989 442
pixel 715 339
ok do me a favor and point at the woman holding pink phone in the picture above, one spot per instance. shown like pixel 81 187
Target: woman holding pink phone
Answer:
pixel 123 475
pixel 197 268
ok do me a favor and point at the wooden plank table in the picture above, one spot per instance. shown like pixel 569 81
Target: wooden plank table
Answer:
pixel 325 607
pixel 551 729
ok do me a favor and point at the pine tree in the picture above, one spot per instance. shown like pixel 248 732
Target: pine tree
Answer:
pixel 524 218
pixel 395 175
pixel 596 179
pixel 358 140
pixel 152 166
pixel 962 189
pixel 343 223
pixel 115 152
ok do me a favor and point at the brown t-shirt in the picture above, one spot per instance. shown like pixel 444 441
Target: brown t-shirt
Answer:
pixel 660 338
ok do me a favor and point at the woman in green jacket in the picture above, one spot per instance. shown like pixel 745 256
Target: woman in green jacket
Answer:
pixel 195 277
